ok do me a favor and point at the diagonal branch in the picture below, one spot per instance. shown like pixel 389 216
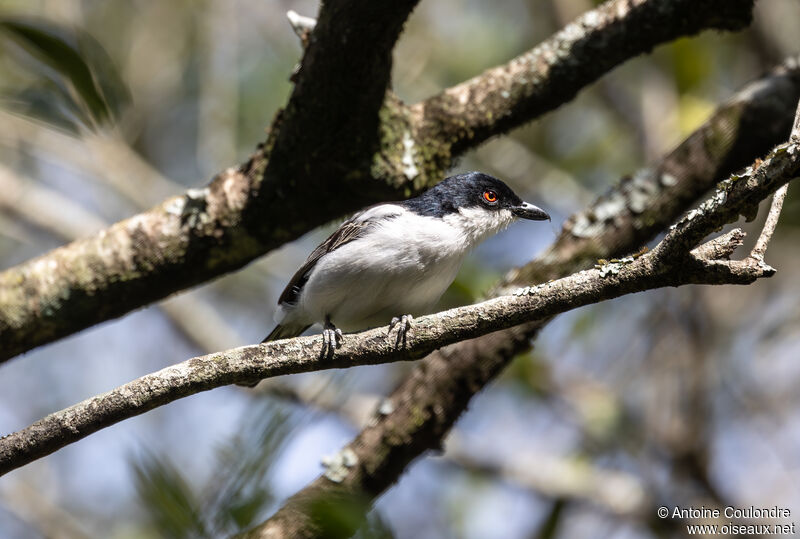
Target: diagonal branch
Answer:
pixel 737 195
pixel 552 73
pixel 651 270
pixel 429 401
pixel 642 205
pixel 338 126
pixel 371 347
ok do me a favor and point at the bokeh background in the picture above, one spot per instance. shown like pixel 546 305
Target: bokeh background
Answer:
pixel 680 396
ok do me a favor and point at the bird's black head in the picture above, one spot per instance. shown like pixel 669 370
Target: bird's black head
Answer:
pixel 471 190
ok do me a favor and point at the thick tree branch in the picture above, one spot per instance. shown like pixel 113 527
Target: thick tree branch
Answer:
pixel 429 401
pixel 197 320
pixel 616 278
pixel 338 126
pixel 552 73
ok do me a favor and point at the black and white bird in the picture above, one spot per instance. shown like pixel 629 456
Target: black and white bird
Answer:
pixel 392 261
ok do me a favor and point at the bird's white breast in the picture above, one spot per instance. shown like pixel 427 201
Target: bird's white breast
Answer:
pixel 402 265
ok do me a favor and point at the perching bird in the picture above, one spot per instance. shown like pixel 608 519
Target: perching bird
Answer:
pixel 392 261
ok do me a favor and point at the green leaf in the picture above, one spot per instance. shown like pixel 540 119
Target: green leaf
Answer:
pixel 241 492
pixel 244 510
pixel 171 504
pixel 76 57
pixel 235 497
pixel 115 92
pixel 47 101
pixel 339 515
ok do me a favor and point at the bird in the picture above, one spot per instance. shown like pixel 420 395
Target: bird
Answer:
pixel 392 261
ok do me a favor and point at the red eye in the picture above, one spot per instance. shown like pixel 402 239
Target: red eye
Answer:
pixel 490 196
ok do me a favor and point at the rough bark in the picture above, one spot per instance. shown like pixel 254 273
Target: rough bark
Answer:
pixel 336 129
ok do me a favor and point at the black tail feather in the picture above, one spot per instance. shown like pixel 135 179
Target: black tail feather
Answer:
pixel 285 332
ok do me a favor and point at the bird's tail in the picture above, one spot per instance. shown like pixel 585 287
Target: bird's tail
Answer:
pixel 285 332
pixel 280 332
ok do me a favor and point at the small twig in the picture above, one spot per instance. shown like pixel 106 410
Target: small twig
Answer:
pixel 733 197
pixel 721 247
pixel 771 222
pixel 777 202
pixel 301 25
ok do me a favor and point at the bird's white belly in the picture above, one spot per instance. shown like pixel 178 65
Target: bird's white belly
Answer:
pixel 359 288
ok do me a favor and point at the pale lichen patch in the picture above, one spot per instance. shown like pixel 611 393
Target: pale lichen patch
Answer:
pixel 386 407
pixel 528 290
pixel 614 266
pixel 194 208
pixel 668 180
pixel 410 169
pixel 174 206
pixel 338 466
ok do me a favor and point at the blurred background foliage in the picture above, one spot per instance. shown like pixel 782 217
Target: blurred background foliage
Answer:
pixel 670 397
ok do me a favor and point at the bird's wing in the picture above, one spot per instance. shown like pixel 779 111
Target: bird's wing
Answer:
pixel 348 231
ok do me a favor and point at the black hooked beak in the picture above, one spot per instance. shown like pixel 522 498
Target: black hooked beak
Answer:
pixel 529 211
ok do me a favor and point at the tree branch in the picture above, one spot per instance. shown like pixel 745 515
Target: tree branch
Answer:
pixel 616 278
pixel 339 125
pixel 642 205
pixel 552 73
pixel 777 204
pixel 771 222
pixel 739 194
pixel 436 393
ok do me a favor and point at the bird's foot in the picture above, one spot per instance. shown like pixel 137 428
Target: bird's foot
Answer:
pixel 331 340
pixel 403 327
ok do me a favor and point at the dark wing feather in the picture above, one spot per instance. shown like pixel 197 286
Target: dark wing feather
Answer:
pixel 350 230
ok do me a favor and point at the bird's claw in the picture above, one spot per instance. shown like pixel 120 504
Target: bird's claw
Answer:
pixel 403 327
pixel 331 340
